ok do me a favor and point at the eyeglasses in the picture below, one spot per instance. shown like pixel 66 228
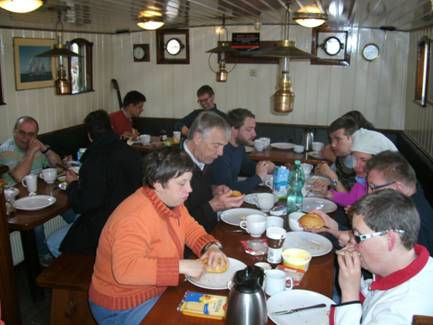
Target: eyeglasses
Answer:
pixel 203 100
pixel 22 133
pixel 378 187
pixel 363 237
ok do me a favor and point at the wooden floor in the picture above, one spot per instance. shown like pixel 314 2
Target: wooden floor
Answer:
pixel 32 313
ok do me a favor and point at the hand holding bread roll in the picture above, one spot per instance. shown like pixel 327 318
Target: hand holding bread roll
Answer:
pixel 311 221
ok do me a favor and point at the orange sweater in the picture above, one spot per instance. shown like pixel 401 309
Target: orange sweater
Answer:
pixel 139 250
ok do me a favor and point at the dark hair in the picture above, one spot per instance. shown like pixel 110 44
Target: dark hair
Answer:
pixel 133 97
pixel 23 119
pixel 205 89
pixel 348 124
pixel 389 209
pixel 393 166
pixel 97 123
pixel 236 117
pixel 360 120
pixel 160 166
pixel 207 121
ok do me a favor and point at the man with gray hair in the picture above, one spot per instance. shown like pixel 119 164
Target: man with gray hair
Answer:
pixel 391 170
pixel 385 230
pixel 206 139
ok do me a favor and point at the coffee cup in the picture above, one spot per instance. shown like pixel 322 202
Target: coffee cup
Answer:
pixel 265 201
pixel 10 193
pixel 273 221
pixel 307 168
pixel 275 237
pixel 176 136
pixel 276 281
pixel 317 146
pixel 31 183
pixel 49 175
pixel 259 145
pixel 263 265
pixel 269 181
pixel 297 258
pixel 144 138
pixel 298 148
pixel 255 224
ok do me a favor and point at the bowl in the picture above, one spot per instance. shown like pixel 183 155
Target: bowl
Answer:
pixel 296 258
pixel 298 148
pixel 293 221
pixel 317 146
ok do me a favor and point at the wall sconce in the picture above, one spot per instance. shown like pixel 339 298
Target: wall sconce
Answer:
pixel 150 23
pixel 310 16
pixel 21 6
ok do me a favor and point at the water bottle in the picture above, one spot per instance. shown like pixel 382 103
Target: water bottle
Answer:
pixel 296 184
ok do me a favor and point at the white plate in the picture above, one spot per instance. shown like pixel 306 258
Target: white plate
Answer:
pixel 235 216
pixel 218 281
pixel 290 299
pixel 282 145
pixel 315 154
pixel 250 199
pixel 316 203
pixel 315 244
pixel 33 203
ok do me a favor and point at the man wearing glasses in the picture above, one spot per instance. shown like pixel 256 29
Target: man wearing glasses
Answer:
pixel 205 98
pixel 25 154
pixel 385 229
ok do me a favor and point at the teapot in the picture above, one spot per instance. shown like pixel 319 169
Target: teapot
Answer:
pixel 247 302
pixel 308 139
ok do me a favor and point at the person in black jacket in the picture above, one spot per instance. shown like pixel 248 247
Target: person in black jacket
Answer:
pixel 110 172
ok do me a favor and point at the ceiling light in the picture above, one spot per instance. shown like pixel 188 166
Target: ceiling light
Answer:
pixel 151 23
pixel 21 6
pixel 310 16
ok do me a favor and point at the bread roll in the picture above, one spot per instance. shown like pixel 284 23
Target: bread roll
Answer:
pixel 311 221
pixel 236 193
pixel 220 268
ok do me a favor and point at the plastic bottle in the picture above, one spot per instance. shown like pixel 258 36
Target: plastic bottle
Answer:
pixel 296 184
pixel 280 182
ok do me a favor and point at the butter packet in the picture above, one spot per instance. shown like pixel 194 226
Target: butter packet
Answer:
pixel 203 305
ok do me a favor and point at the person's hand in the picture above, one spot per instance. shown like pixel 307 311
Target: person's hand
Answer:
pixel 184 131
pixel 71 176
pixel 270 165
pixel 220 189
pixel 193 268
pixel 323 169
pixel 134 134
pixel 214 257
pixel 345 238
pixel 349 276
pixel 262 169
pixel 35 145
pixel 319 187
pixel 327 153
pixel 330 224
pixel 226 201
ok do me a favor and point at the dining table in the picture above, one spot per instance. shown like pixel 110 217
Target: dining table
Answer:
pixel 285 156
pixel 318 278
pixel 26 221
pixel 154 144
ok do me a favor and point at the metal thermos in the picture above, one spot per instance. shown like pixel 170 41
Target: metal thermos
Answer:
pixel 247 302
pixel 308 140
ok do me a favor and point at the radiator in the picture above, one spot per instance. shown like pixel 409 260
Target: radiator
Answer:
pixel 15 238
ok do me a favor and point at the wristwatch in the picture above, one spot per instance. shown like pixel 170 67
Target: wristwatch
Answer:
pixel 46 149
pixel 334 182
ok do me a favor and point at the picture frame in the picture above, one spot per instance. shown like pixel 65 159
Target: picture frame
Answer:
pixel 31 71
pixel 172 46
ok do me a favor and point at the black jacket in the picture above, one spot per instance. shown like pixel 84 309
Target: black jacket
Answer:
pixel 111 171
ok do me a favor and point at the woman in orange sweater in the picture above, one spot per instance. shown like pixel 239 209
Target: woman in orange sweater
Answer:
pixel 140 251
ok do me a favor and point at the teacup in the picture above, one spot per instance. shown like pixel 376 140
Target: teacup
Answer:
pixel 266 141
pixel 31 183
pixel 49 175
pixel 273 221
pixel 307 168
pixel 298 148
pixel 276 281
pixel 144 138
pixel 10 193
pixel 317 146
pixel 259 145
pixel 265 201
pixel 255 224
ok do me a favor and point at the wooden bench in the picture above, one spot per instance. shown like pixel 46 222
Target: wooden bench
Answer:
pixel 69 278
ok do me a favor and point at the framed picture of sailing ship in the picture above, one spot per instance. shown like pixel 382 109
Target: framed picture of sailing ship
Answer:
pixel 32 71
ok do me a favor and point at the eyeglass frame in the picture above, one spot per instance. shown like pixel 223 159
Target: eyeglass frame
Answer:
pixel 23 134
pixel 378 187
pixel 359 238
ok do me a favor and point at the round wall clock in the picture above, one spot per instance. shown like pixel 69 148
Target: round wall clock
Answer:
pixel 370 52
pixel 140 52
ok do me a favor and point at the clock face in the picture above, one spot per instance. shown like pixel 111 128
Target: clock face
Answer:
pixel 370 52
pixel 173 46
pixel 140 52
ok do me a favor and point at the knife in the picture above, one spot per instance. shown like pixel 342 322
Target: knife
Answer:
pixel 295 310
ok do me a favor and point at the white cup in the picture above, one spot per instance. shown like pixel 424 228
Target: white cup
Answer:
pixel 176 136
pixel 259 145
pixel 269 181
pixel 10 193
pixel 273 221
pixel 266 141
pixel 276 281
pixel 49 175
pixel 255 224
pixel 265 201
pixel 31 182
pixel 317 146
pixel 144 138
pixel 298 148
pixel 263 265
pixel 307 168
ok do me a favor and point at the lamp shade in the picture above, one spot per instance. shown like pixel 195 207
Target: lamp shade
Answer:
pixel 152 23
pixel 310 16
pixel 21 6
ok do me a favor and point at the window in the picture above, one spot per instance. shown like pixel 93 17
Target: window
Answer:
pixel 422 68
pixel 80 67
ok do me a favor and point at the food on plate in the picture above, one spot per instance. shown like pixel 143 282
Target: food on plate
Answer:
pixel 219 268
pixel 311 221
pixel 236 193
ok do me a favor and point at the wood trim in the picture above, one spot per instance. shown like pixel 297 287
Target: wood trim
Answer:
pixel 315 45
